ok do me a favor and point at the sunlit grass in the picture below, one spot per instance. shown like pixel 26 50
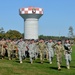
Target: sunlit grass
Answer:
pixel 13 67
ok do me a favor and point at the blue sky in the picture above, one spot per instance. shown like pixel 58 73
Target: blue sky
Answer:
pixel 58 15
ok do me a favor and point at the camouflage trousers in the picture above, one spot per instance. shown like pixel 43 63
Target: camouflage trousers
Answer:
pixel 41 56
pixel 31 55
pixel 21 54
pixel 36 53
pixel 9 53
pixel 46 51
pixel 59 60
pixel 0 50
pixel 51 55
pixel 68 58
pixel 3 51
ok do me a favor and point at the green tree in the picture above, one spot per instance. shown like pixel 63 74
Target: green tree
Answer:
pixel 70 34
pixel 13 34
pixel 2 32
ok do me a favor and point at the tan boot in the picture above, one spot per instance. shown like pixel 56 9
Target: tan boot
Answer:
pixel 68 67
pixel 59 68
pixel 41 62
pixel 20 61
pixel 9 58
pixel 50 62
pixel 31 62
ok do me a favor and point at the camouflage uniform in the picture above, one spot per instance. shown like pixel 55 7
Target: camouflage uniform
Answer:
pixel 42 46
pixel 3 44
pixel 36 50
pixel 14 49
pixel 58 51
pixel 50 51
pixel 0 47
pixel 26 48
pixel 21 51
pixel 9 49
pixel 68 51
pixel 31 51
pixel 46 50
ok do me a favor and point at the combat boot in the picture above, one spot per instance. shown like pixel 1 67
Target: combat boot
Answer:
pixel 31 62
pixel 50 62
pixel 9 58
pixel 41 62
pixel 20 61
pixel 59 68
pixel 68 67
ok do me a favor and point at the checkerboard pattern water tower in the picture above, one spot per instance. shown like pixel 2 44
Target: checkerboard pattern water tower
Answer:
pixel 31 16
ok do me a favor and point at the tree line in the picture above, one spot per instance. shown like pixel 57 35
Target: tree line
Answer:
pixel 14 34
pixel 10 34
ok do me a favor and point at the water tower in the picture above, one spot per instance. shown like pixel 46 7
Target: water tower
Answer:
pixel 31 16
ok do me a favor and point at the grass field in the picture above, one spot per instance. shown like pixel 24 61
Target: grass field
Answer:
pixel 13 67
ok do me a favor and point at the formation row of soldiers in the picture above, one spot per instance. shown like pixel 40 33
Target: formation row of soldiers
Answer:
pixel 36 48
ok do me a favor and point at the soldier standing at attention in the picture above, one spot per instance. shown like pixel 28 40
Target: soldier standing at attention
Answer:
pixel 68 51
pixel 42 47
pixel 59 51
pixel 50 50
pixel 21 51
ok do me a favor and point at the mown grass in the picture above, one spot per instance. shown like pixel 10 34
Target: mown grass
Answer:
pixel 13 67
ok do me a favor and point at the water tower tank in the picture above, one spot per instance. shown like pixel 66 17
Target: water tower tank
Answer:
pixel 31 16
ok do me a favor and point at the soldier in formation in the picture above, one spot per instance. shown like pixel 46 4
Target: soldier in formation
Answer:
pixel 68 51
pixel 9 48
pixel 59 51
pixel 21 50
pixel 31 47
pixel 26 48
pixel 36 51
pixel 2 46
pixel 42 47
pixel 36 48
pixel 50 50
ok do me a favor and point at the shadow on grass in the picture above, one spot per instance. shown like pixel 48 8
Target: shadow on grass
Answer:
pixel 72 66
pixel 37 62
pixel 17 61
pixel 54 68
pixel 27 61
pixel 63 66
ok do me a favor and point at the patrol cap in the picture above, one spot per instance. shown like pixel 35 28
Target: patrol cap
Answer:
pixel 32 40
pixel 59 41
pixel 41 39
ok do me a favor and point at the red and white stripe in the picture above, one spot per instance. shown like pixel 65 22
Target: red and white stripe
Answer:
pixel 29 10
